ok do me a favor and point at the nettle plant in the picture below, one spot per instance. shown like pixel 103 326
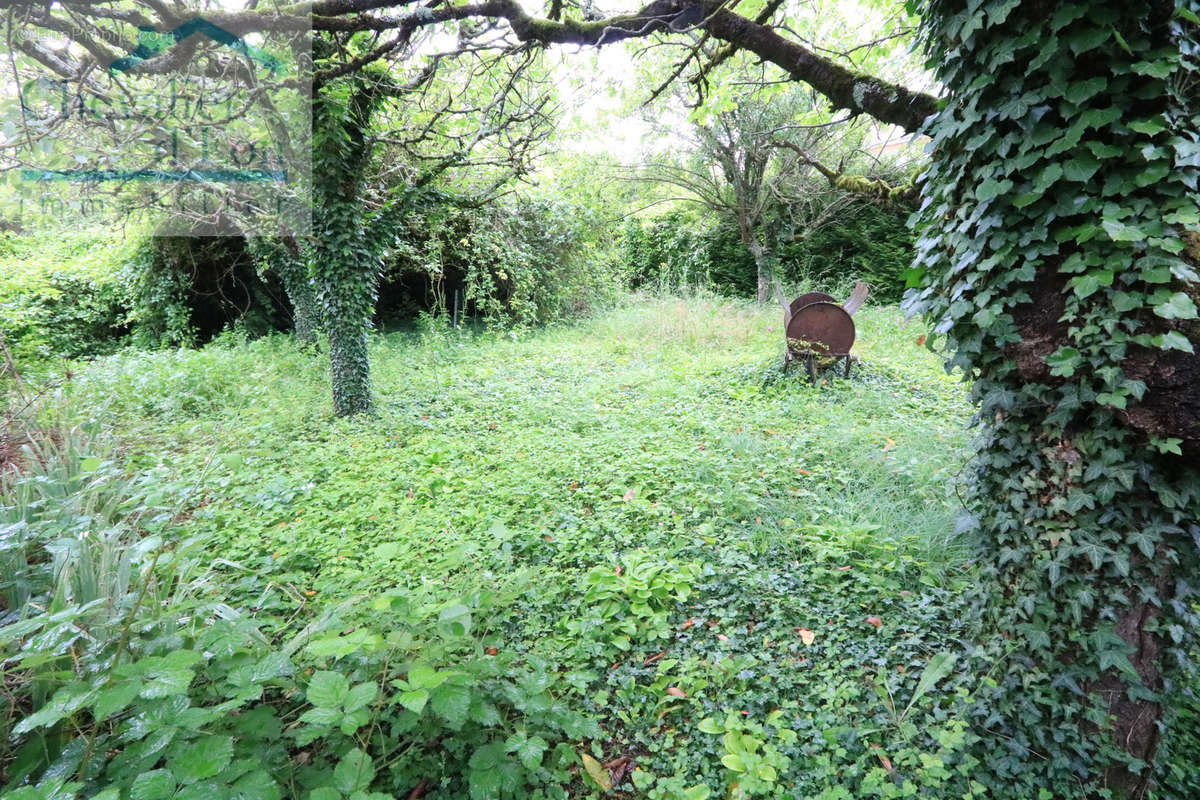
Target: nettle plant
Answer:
pixel 1058 259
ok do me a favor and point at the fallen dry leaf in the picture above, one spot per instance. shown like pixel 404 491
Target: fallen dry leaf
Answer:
pixel 675 691
pixel 876 621
pixel 597 771
pixel 722 637
pixel 628 496
pixel 806 636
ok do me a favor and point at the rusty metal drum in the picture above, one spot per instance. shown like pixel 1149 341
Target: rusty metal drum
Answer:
pixel 821 328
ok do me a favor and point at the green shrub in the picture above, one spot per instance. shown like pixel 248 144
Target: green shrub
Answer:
pixel 866 241
pixel 64 296
pixel 680 251
pixel 518 260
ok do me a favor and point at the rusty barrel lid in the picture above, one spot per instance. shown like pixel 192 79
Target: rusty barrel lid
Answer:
pixel 825 326
pixel 808 299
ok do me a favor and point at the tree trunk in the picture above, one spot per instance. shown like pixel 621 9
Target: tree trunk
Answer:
pixel 347 272
pixel 1054 260
pixel 761 256
pixel 306 319
pixel 350 368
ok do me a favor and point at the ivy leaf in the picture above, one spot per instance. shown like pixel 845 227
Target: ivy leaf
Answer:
pixel 1149 127
pixel 1083 90
pixel 1145 541
pixel 1155 69
pixel 1027 199
pixel 1173 340
pixel 990 189
pixel 1046 178
pixel 1087 39
pixel 1120 232
pixel 1177 306
pixel 1089 284
pixel 1116 659
pixel 1081 168
pixel 1064 361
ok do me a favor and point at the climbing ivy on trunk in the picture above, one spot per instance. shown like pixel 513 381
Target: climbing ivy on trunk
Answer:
pixel 345 256
pixel 283 256
pixel 1055 259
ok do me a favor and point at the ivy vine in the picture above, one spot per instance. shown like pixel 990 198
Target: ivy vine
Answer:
pixel 1053 262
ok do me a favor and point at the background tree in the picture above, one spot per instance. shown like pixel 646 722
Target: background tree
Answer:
pixel 732 165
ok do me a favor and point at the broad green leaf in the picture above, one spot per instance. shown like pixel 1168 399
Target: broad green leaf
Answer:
pixel 941 665
pixel 360 696
pixel 733 761
pixel 455 620
pixel 1177 306
pixel 114 699
pixel 157 784
pixel 415 700
pixel 423 676
pixel 328 689
pixel 451 702
pixel 530 751
pixel 202 758
pixel 354 772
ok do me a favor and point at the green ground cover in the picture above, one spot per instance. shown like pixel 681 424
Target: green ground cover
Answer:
pixel 632 539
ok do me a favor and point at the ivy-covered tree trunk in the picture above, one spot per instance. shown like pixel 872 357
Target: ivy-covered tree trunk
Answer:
pixel 283 256
pixel 1054 258
pixel 345 259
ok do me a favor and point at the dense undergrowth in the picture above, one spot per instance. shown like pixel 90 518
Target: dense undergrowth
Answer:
pixel 627 558
pixel 629 552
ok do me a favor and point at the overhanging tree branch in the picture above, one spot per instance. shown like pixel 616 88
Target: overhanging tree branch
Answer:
pixel 844 87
